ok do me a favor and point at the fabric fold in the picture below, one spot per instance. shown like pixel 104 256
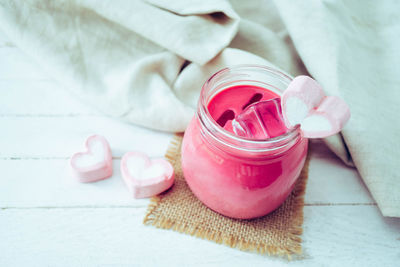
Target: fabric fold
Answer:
pixel 352 51
pixel 196 32
pixel 121 57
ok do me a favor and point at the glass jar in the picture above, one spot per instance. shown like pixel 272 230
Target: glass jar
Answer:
pixel 232 175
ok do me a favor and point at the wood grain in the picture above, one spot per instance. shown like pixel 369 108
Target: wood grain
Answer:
pixel 324 188
pixel 61 137
pixel 334 236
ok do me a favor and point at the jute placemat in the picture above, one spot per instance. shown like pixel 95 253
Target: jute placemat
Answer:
pixel 277 233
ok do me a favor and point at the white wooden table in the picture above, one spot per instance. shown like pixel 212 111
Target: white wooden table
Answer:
pixel 48 219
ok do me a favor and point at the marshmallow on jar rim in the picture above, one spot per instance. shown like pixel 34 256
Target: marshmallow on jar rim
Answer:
pixel 95 163
pixel 327 119
pixel 304 102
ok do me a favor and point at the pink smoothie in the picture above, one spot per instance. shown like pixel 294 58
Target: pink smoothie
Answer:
pixel 236 182
pixel 229 103
pixel 257 112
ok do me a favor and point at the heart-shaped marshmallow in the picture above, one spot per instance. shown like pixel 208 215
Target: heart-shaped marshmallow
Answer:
pixel 302 96
pixel 145 177
pixel 95 163
pixel 304 102
pixel 327 119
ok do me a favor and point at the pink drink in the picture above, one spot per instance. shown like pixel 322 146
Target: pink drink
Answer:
pixel 229 103
pixel 232 175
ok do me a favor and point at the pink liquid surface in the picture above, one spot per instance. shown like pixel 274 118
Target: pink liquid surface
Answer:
pixel 229 103
pixel 238 184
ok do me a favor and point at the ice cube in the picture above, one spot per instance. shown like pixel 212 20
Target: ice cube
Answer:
pixel 260 120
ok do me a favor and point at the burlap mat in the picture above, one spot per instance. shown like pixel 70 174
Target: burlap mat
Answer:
pixel 277 233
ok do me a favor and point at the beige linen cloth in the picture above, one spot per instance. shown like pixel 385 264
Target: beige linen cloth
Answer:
pixel 145 61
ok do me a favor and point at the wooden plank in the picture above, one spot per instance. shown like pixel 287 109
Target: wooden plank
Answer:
pixel 331 181
pixel 350 236
pixel 27 137
pixel 50 183
pixel 41 182
pixel 340 236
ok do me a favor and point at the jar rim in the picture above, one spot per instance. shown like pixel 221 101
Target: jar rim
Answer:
pixel 221 135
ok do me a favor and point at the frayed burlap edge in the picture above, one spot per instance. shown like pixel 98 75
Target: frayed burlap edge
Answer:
pixel 295 232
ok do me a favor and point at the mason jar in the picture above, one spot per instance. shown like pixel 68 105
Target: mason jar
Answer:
pixel 236 176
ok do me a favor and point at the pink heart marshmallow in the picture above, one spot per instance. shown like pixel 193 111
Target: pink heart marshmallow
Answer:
pixel 302 96
pixel 145 177
pixel 95 163
pixel 304 102
pixel 327 119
